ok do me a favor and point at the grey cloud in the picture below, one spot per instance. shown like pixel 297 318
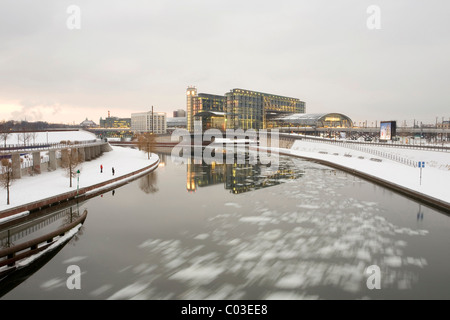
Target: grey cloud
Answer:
pixel 134 54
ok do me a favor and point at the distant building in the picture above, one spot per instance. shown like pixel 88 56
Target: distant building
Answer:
pixel 88 123
pixel 180 113
pixel 176 122
pixel 155 122
pixel 115 122
pixel 209 108
pixel 238 109
pixel 444 125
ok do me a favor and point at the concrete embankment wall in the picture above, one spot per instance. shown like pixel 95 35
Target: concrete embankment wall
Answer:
pixel 37 166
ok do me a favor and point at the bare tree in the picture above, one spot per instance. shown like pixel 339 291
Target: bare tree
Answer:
pixel 70 160
pixel 4 136
pixel 25 137
pixel 33 135
pixel 6 176
pixel 5 128
pixel 149 183
pixel 146 142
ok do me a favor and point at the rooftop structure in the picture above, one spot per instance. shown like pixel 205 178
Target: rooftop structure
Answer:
pixel 318 120
pixel 88 123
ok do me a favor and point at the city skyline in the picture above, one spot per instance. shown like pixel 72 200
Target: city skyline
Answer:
pixel 127 57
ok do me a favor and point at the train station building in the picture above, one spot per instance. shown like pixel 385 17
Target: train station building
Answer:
pixel 238 109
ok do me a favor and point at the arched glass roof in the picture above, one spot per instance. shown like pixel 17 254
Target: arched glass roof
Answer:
pixel 316 119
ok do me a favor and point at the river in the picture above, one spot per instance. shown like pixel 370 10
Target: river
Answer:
pixel 198 231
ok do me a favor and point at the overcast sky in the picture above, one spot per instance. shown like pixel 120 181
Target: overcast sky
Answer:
pixel 130 55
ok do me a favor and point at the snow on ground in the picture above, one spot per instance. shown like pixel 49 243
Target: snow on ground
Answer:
pixel 16 138
pixel 33 188
pixel 436 159
pixel 435 176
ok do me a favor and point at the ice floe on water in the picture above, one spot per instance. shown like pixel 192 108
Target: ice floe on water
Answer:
pixel 53 283
pixel 393 261
pixel 232 204
pixel 288 295
pixel 308 206
pixel 198 274
pixel 291 281
pixel 202 236
pixel 255 219
pixel 314 243
pixel 75 259
pixel 101 290
pixel 132 291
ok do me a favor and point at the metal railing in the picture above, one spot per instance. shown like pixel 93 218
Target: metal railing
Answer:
pixel 440 148
pixel 9 256
pixel 47 146
pixel 364 148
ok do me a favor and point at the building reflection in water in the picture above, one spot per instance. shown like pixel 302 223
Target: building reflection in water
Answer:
pixel 237 178
pixel 162 160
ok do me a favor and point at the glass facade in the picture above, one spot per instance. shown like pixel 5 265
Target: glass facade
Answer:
pixel 318 120
pixel 238 109
pixel 210 109
pixel 191 94
pixel 255 110
pixel 114 122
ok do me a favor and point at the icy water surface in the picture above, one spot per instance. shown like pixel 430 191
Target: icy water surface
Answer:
pixel 245 232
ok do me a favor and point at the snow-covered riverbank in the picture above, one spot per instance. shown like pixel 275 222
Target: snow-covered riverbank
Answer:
pixel 29 189
pixel 435 181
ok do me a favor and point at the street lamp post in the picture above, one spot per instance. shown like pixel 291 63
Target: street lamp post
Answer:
pixel 78 181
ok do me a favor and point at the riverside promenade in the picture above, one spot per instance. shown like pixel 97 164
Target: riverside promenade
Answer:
pixel 52 187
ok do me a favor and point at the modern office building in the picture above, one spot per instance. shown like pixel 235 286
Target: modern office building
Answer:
pixel 154 122
pixel 115 122
pixel 209 108
pixel 256 110
pixel 238 109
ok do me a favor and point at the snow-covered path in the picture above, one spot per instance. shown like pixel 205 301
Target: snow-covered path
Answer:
pixel 28 189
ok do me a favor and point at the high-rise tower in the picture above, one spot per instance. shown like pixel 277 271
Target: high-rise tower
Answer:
pixel 191 93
